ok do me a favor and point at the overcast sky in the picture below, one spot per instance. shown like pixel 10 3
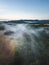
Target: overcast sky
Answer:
pixel 24 9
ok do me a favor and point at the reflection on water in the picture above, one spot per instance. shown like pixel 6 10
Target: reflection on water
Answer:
pixel 24 44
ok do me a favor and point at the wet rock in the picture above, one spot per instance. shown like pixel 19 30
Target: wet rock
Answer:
pixel 8 33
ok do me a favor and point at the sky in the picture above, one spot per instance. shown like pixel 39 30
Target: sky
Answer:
pixel 24 9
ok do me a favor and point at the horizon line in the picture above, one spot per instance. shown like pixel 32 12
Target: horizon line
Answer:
pixel 20 19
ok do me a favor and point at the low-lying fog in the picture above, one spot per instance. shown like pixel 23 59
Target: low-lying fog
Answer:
pixel 31 43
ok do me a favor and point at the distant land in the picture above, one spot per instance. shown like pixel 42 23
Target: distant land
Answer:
pixel 26 21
